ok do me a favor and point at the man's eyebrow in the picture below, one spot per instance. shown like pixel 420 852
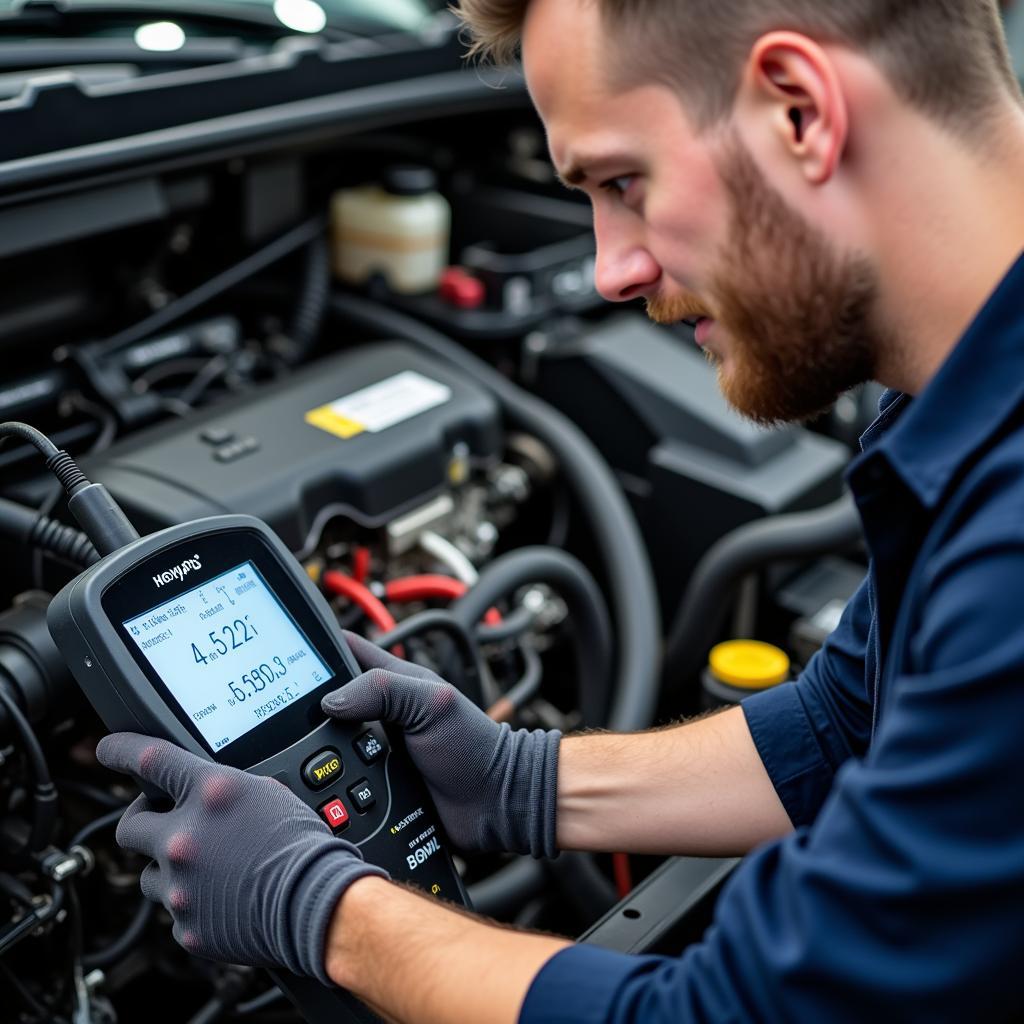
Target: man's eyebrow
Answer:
pixel 573 176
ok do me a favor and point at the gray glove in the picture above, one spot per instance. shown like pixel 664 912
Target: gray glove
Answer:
pixel 248 872
pixel 495 789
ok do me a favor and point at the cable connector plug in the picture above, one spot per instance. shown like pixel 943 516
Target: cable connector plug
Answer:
pixel 97 513
pixel 101 518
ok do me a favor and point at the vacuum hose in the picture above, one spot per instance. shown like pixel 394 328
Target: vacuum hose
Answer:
pixel 587 614
pixel 798 535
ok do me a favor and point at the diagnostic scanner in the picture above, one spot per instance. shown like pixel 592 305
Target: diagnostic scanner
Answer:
pixel 211 635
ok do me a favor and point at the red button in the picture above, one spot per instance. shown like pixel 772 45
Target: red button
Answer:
pixel 335 814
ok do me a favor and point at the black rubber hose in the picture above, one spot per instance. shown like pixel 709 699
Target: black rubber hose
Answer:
pixel 504 893
pixel 512 627
pixel 125 942
pixel 14 933
pixel 588 616
pixel 227 279
pixel 44 793
pixel 310 310
pixel 630 580
pixel 437 618
pixel 86 832
pixel 751 548
pixel 28 527
pixel 582 882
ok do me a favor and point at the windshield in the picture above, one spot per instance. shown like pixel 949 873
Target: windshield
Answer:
pixel 308 16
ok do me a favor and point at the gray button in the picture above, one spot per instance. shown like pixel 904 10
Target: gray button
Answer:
pixel 217 435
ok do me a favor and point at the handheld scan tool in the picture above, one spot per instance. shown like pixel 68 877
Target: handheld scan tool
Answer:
pixel 212 636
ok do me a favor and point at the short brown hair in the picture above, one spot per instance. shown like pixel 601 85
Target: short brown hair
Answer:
pixel 947 57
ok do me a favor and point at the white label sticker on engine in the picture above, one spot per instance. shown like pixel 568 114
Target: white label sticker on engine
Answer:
pixel 380 405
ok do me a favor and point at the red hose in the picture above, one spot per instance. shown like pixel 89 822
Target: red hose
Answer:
pixel 344 586
pixel 361 564
pixel 422 588
pixel 623 874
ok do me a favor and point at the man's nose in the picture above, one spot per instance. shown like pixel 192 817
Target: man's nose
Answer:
pixel 624 272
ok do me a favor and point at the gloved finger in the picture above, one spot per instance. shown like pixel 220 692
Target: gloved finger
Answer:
pixel 189 939
pixel 151 760
pixel 155 886
pixel 369 655
pixel 379 695
pixel 151 883
pixel 140 829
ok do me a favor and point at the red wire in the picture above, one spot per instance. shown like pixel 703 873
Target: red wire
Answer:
pixel 344 586
pixel 422 588
pixel 623 874
pixel 360 564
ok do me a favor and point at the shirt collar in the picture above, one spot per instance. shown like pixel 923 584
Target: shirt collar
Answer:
pixel 928 439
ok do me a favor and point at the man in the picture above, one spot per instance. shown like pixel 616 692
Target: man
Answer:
pixel 832 189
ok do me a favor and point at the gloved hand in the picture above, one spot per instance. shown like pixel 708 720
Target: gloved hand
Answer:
pixel 495 789
pixel 249 873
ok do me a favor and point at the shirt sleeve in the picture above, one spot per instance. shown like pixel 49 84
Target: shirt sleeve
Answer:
pixel 903 900
pixel 805 731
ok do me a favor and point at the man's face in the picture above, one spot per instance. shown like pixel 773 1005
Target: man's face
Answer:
pixel 689 223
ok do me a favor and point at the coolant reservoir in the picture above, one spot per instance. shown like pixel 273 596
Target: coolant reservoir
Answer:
pixel 399 229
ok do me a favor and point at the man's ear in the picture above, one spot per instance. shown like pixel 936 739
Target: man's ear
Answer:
pixel 790 80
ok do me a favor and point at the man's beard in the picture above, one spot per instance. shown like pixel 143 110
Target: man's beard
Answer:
pixel 798 314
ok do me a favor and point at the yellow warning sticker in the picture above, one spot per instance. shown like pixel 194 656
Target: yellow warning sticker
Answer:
pixel 379 406
pixel 334 423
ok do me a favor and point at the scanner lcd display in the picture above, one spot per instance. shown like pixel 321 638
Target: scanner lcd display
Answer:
pixel 229 653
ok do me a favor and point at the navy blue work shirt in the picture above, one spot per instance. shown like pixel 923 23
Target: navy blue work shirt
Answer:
pixel 898 754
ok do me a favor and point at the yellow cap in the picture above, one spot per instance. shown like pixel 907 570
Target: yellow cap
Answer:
pixel 749 664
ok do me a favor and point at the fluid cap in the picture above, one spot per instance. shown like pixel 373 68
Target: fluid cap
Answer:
pixel 409 180
pixel 749 664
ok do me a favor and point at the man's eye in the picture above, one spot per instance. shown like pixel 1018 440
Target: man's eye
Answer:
pixel 617 186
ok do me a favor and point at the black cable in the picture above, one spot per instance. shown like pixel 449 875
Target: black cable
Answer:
pixel 107 433
pixel 311 308
pixel 16 890
pixel 90 792
pixel 588 617
pixel 86 832
pixel 81 1012
pixel 631 583
pixel 125 942
pixel 791 537
pixel 212 1011
pixel 260 1002
pixel 32 529
pixel 96 511
pixel 529 682
pixel 31 921
pixel 34 437
pixel 44 794
pixel 227 279
pixel 187 366
pixel 437 618
pixel 211 372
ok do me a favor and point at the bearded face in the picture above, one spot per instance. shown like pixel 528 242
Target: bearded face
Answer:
pixel 794 317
